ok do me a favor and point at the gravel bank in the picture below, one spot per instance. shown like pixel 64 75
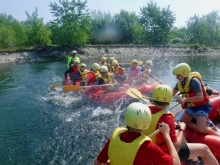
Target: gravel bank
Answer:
pixel 99 51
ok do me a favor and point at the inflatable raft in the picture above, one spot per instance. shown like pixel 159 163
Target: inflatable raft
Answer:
pixel 212 141
pixel 104 97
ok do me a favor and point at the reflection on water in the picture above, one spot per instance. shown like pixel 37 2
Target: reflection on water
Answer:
pixel 51 127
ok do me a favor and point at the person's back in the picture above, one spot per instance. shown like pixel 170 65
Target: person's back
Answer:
pixel 128 146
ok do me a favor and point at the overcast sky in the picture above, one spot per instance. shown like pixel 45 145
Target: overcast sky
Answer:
pixel 183 9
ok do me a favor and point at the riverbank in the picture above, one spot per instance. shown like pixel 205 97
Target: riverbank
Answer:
pixel 99 51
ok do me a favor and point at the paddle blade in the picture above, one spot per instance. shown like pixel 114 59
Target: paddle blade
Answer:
pixel 72 88
pixel 54 86
pixel 134 93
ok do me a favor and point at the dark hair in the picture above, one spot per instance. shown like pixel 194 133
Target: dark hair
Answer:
pixel 161 103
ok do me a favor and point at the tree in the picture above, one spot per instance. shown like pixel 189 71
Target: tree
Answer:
pixel 130 29
pixel 71 24
pixel 157 23
pixel 37 32
pixel 12 33
pixel 103 28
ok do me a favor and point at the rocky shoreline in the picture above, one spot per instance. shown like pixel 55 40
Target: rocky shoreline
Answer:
pixel 99 51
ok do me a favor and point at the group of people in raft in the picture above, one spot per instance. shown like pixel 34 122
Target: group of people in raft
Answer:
pixel 131 145
pixel 104 73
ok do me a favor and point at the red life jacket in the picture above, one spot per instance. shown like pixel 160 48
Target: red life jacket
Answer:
pixel 186 93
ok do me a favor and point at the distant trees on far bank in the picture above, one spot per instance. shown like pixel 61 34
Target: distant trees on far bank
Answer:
pixel 74 25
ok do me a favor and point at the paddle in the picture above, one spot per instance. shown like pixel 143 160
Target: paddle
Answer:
pixel 154 133
pixel 139 63
pixel 155 78
pixel 73 88
pixel 55 85
pixel 136 94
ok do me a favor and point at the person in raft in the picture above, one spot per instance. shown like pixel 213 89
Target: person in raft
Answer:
pixel 105 78
pixel 144 72
pixel 110 66
pixel 103 62
pixel 162 96
pixel 128 145
pixel 72 58
pixel 93 75
pixel 71 72
pixel 118 71
pixel 209 90
pixel 132 72
pixel 195 99
pixel 81 75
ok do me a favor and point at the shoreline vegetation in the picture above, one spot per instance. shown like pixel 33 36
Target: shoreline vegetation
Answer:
pixel 48 53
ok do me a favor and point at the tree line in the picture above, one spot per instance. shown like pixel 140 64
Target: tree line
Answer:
pixel 74 25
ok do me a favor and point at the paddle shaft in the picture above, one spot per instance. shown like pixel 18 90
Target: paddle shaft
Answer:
pixel 155 78
pixel 154 133
pixel 138 97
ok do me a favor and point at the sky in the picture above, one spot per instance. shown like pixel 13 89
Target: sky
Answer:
pixel 183 9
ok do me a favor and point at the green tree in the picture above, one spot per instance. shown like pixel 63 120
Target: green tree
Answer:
pixel 130 29
pixel 103 29
pixel 213 28
pixel 178 35
pixel 12 33
pixel 37 32
pixel 71 24
pixel 157 23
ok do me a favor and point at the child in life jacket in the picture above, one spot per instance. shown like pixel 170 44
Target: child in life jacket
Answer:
pixel 110 66
pixel 132 72
pixel 128 145
pixel 103 62
pixel 195 99
pixel 118 71
pixel 93 75
pixel 162 96
pixel 81 75
pixel 71 72
pixel 144 72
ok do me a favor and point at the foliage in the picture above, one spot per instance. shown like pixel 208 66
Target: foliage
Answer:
pixel 74 26
pixel 37 32
pixel 157 23
pixel 71 24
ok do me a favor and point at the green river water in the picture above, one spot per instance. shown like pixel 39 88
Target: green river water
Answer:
pixel 41 127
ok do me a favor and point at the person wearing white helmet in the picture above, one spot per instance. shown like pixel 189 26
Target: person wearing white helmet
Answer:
pixel 81 75
pixel 128 145
pixel 195 99
pixel 72 58
pixel 145 72
pixel 105 78
pixel 162 96
pixel 93 75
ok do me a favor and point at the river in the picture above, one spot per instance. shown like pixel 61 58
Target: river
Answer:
pixel 38 126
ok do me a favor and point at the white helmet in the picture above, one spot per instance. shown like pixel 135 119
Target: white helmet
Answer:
pixel 74 52
pixel 103 68
pixel 138 116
